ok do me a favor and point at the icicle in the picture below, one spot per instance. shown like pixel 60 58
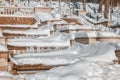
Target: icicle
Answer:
pixel 33 50
pixel 30 50
pixel 27 49
pixel 38 50
pixel 49 49
pixel 14 51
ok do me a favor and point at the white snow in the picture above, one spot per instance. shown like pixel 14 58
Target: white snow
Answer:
pixel 93 34
pixel 75 27
pixel 95 64
pixel 40 16
pixel 3 47
pixel 94 52
pixel 19 26
pixel 4 74
pixel 4 3
pixel 15 15
pixel 57 16
pixel 55 40
pixel 83 70
pixel 29 32
pixel 86 62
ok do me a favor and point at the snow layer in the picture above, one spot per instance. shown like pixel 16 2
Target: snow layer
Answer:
pixel 94 34
pixel 56 40
pixel 29 32
pixel 27 3
pixel 75 27
pixel 3 47
pixel 40 43
pixel 82 70
pixel 94 52
pixel 95 64
pixel 40 16
pixel 20 26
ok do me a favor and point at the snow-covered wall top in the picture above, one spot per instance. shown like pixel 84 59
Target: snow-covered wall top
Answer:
pixel 95 52
pixel 55 40
pixel 29 32
pixel 93 34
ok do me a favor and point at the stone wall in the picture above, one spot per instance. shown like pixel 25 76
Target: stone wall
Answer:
pixel 17 20
pixel 3 61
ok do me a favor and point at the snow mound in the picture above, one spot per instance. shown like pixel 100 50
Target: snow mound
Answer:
pixel 83 70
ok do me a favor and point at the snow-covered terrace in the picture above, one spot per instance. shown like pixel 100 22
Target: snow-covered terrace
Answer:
pixel 90 58
pixel 52 26
pixel 95 34
pixel 55 40
pixel 77 28
pixel 16 15
pixel 18 26
pixel 93 62
pixel 34 32
pixel 94 52
pixel 52 21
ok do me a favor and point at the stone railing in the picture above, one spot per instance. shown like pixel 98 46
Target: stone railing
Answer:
pixel 22 11
pixel 16 10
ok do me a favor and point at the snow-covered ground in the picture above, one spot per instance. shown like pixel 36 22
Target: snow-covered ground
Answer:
pixel 93 62
pixel 84 62
pixel 83 70
pixel 19 26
